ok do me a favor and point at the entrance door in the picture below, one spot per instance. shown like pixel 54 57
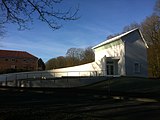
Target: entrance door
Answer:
pixel 110 68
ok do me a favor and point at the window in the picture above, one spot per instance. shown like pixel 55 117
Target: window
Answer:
pixel 110 68
pixel 31 68
pixel 13 66
pixel 13 59
pixel 6 59
pixel 137 67
pixel 25 60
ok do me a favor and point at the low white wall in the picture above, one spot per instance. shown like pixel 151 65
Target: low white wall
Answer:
pixel 27 75
pixel 90 69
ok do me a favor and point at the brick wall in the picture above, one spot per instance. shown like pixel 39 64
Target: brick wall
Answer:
pixel 18 64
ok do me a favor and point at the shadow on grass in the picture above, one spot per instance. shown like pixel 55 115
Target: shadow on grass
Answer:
pixel 63 104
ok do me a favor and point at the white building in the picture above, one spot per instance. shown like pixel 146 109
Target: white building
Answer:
pixel 124 55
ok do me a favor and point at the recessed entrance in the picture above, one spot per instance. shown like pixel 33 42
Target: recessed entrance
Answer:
pixel 110 68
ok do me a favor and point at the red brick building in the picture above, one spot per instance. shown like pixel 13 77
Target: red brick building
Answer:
pixel 17 61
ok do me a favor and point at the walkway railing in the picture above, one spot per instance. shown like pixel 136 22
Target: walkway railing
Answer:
pixel 48 78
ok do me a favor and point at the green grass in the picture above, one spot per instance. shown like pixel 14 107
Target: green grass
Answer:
pixel 129 84
pixel 61 105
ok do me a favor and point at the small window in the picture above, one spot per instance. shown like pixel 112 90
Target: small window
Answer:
pixel 137 67
pixel 13 59
pixel 31 68
pixel 13 67
pixel 25 60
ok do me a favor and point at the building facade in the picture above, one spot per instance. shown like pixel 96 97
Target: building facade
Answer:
pixel 123 55
pixel 17 61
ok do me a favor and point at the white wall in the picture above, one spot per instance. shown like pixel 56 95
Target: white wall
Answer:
pixel 136 52
pixel 34 79
pixel 115 50
pixel 90 69
pixel 26 75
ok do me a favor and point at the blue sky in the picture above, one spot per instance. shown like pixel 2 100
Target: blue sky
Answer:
pixel 99 18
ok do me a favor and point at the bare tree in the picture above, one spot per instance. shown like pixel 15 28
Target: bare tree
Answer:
pixel 112 36
pixel 2 30
pixel 151 31
pixel 131 27
pixel 23 12
pixel 89 55
pixel 125 29
pixel 51 64
pixel 61 62
pixel 75 53
pixel 157 7
pixel 74 56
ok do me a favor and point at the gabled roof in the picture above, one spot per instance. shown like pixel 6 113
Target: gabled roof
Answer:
pixel 118 37
pixel 16 54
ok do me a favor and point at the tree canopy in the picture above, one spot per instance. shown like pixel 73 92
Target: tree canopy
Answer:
pixel 74 56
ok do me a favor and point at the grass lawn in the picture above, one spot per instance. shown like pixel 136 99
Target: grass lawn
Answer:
pixel 129 84
pixel 24 105
pixel 76 104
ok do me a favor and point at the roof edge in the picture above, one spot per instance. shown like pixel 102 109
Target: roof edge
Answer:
pixel 143 39
pixel 114 38
pixel 18 51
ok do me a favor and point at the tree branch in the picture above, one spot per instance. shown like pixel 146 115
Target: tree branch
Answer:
pixel 22 12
